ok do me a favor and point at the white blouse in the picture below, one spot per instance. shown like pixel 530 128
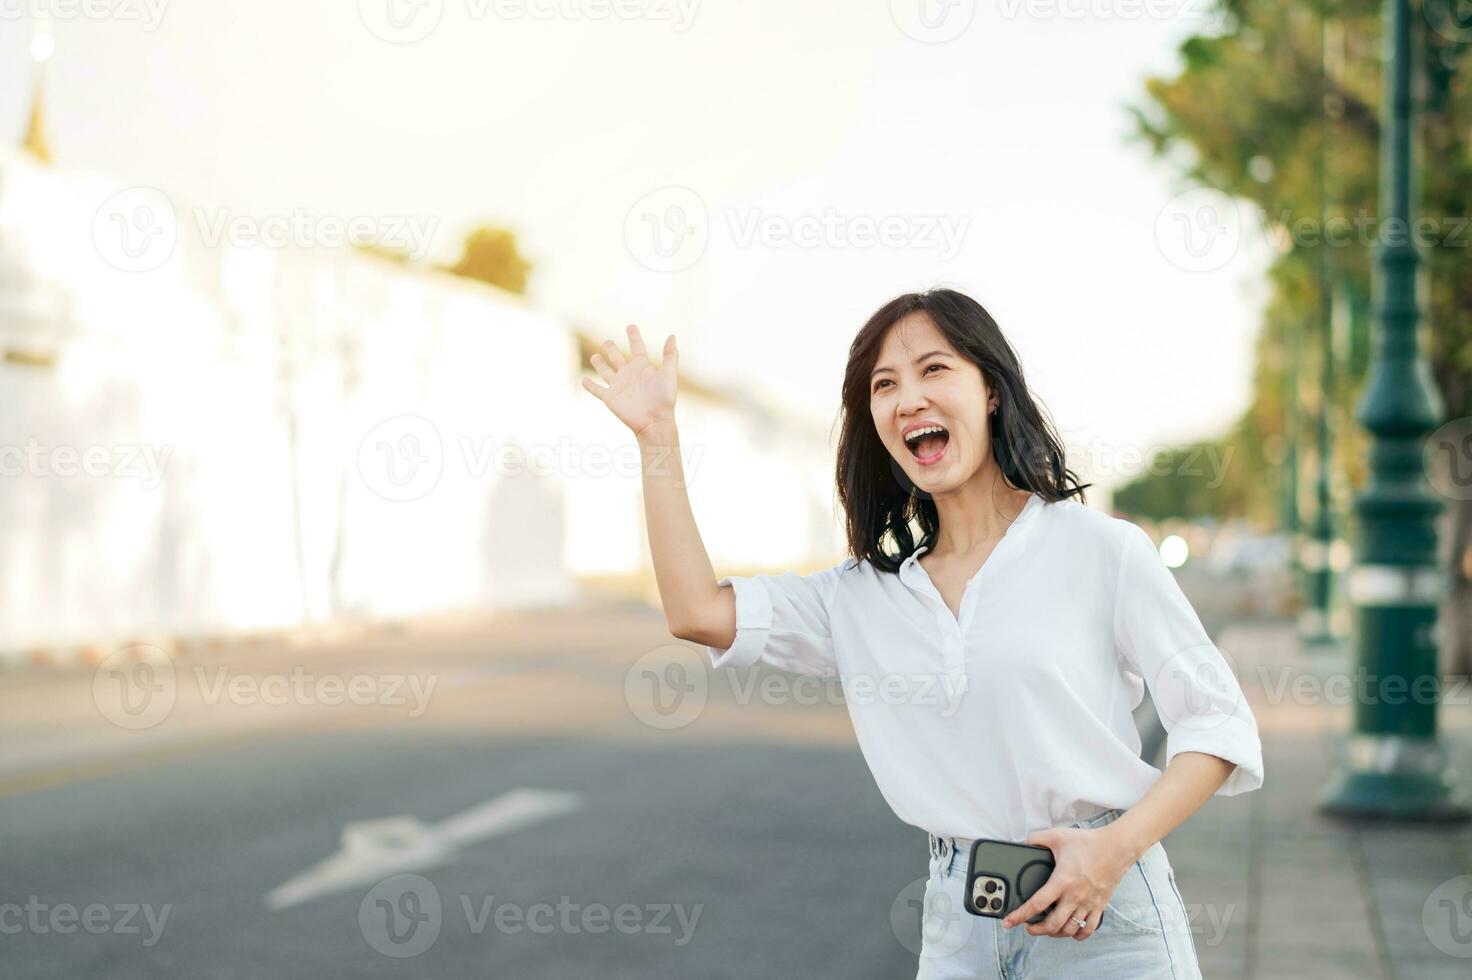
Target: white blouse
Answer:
pixel 1018 716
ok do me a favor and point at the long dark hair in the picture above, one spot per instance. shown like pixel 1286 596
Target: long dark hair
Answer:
pixel 878 498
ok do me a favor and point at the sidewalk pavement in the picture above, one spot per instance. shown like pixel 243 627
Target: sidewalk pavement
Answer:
pixel 1277 890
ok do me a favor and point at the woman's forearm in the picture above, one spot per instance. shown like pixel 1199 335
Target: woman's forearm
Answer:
pixel 682 569
pixel 1188 781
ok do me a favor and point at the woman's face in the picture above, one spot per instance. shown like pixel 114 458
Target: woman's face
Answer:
pixel 920 382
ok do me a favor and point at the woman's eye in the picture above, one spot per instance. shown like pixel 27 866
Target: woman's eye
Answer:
pixel 886 381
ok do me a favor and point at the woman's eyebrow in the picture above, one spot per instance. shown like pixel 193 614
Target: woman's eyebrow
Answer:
pixel 932 353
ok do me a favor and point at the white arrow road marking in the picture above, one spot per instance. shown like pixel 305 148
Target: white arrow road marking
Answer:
pixel 375 849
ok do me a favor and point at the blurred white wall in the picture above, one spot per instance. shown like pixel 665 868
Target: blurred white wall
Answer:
pixel 239 438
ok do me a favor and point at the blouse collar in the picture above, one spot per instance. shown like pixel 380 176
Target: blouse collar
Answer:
pixel 1028 509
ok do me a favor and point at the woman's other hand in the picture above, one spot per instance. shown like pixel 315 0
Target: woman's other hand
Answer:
pixel 1089 863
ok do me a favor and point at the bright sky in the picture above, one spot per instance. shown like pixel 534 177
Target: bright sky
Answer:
pixel 996 159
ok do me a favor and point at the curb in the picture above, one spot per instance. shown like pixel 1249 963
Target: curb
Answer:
pixel 90 655
pixel 83 656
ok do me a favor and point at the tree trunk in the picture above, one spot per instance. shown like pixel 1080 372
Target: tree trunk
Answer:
pixel 1456 612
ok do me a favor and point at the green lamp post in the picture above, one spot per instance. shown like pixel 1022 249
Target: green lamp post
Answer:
pixel 1394 766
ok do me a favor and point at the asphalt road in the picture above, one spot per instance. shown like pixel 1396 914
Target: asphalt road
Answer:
pixel 745 838
pixel 749 842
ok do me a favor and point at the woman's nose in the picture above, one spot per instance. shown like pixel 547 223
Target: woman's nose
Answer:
pixel 913 409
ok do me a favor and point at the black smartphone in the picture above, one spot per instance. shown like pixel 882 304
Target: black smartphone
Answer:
pixel 1003 875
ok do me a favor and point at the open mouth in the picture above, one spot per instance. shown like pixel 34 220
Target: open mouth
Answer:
pixel 927 445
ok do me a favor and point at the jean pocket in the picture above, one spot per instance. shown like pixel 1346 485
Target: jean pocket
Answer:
pixel 1138 904
pixel 945 925
pixel 1181 904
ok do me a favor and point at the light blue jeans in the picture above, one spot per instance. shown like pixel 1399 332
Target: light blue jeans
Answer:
pixel 1143 934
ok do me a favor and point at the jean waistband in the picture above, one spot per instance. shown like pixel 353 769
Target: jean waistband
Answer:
pixel 949 845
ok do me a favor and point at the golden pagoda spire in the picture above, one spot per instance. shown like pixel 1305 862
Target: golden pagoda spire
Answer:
pixel 35 141
pixel 43 44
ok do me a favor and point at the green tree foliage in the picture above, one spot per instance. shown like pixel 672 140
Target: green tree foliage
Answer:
pixel 1186 482
pixel 1247 114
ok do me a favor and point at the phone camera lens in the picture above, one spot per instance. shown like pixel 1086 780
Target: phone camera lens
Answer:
pixel 994 904
pixel 990 887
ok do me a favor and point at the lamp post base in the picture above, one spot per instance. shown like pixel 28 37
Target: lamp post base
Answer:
pixel 1395 777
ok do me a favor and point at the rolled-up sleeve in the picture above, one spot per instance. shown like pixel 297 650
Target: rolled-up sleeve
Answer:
pixel 782 620
pixel 1159 637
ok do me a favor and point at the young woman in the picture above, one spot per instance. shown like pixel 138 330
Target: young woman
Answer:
pixel 991 667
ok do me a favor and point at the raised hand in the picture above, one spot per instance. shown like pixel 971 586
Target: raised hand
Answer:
pixel 639 392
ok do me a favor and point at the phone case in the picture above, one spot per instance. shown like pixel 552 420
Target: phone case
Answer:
pixel 1003 875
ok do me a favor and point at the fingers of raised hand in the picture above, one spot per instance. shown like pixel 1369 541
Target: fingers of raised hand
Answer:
pixel 636 342
pixel 605 371
pixel 615 356
pixel 597 390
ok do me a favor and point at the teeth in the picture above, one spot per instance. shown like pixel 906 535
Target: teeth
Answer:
pixel 923 432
